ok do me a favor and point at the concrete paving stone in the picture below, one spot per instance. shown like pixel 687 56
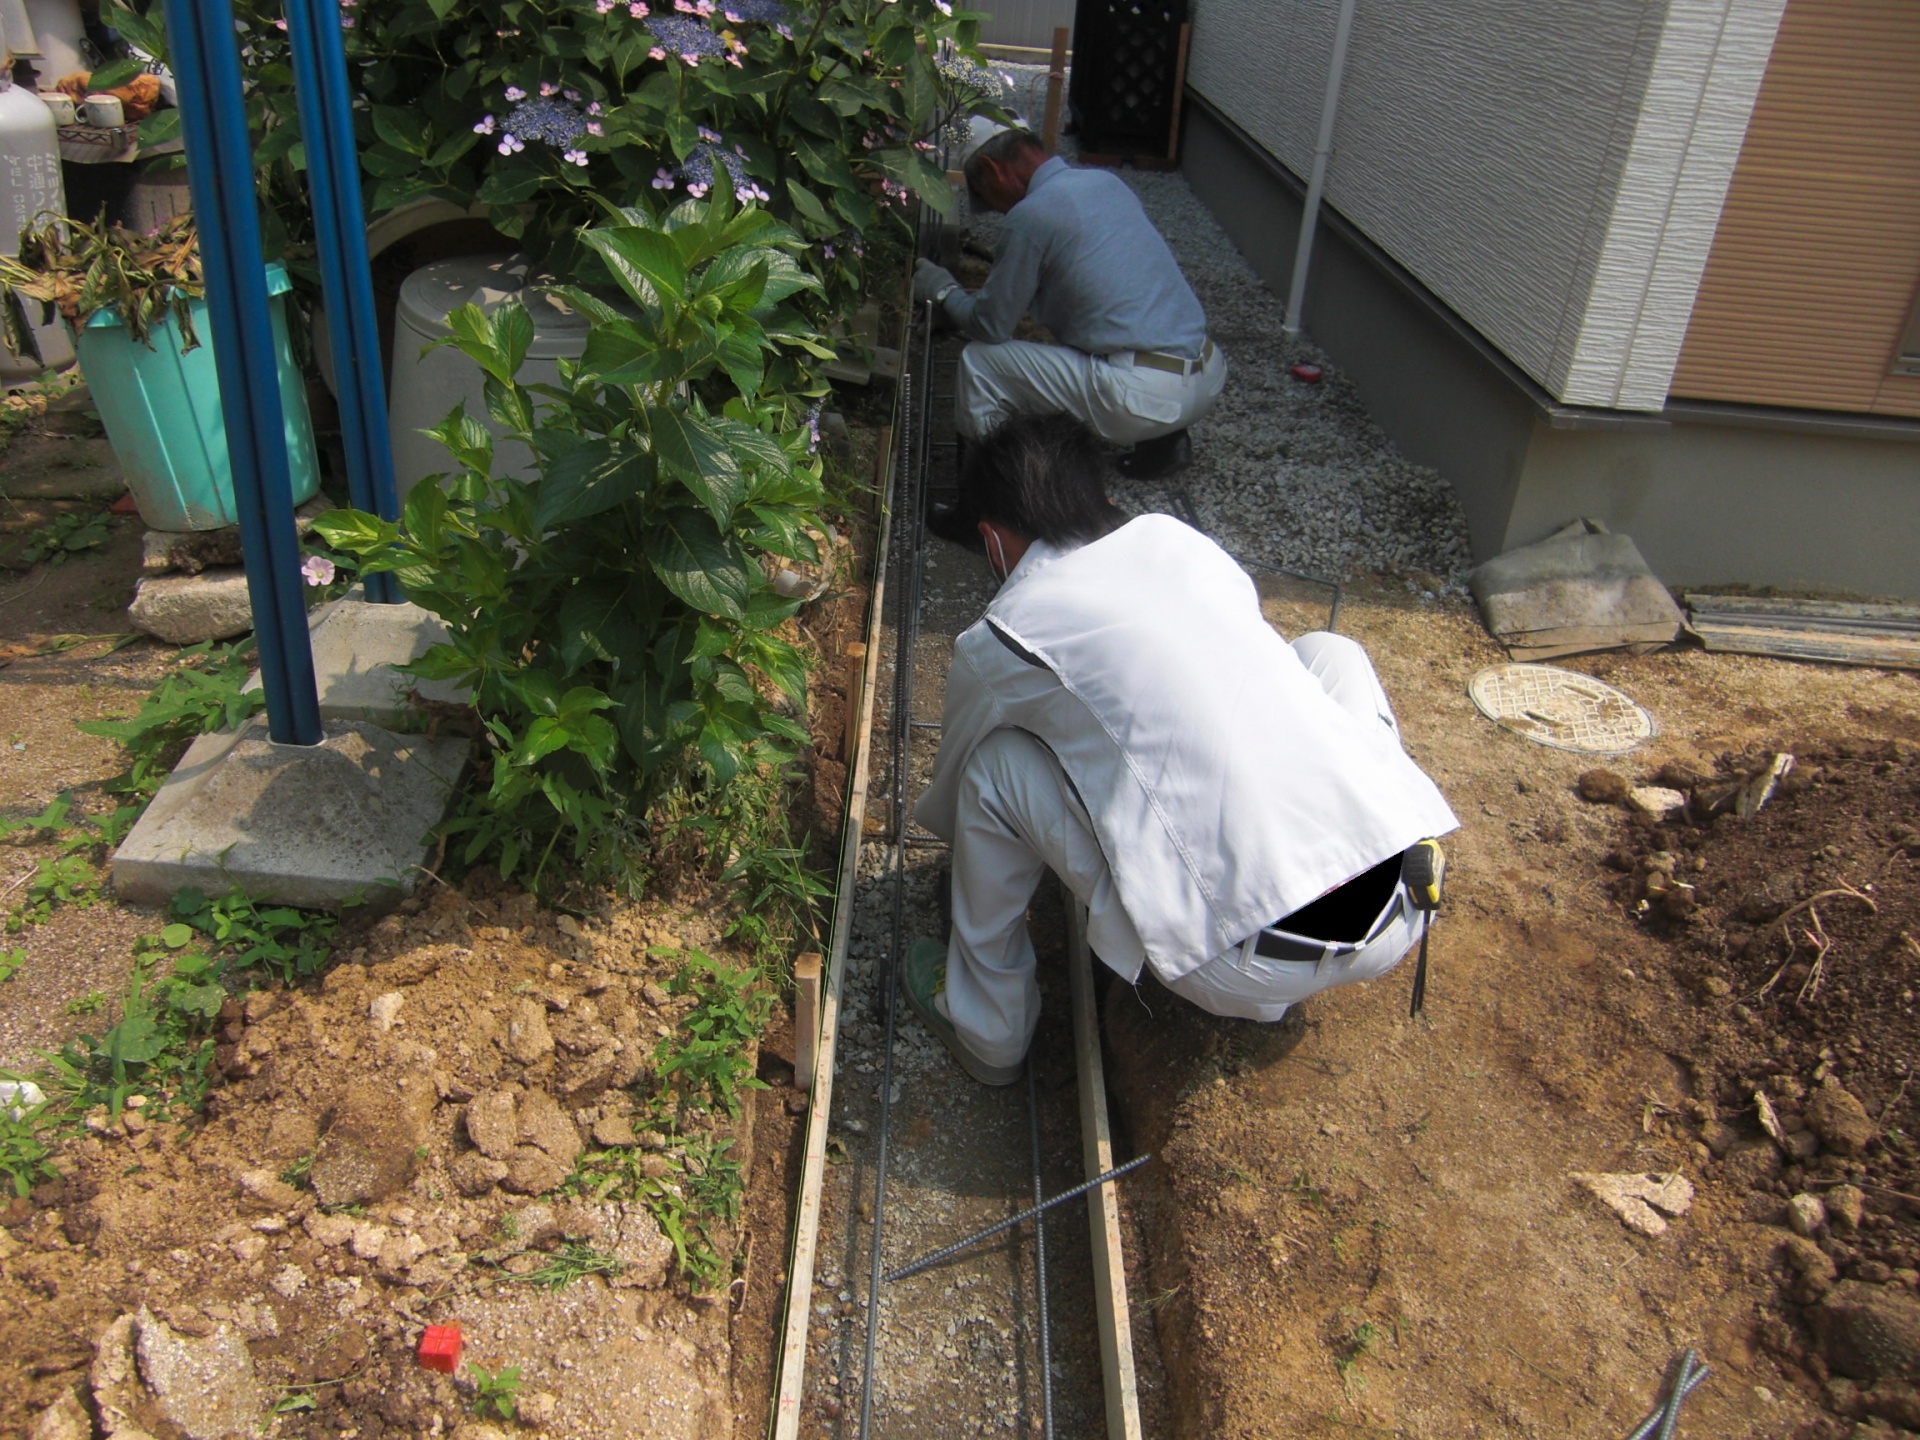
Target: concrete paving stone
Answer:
pixel 356 646
pixel 342 822
pixel 187 609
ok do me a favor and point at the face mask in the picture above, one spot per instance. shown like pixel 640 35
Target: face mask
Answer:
pixel 995 550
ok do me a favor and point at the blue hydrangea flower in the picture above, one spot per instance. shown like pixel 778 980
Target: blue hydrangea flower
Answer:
pixel 692 40
pixel 756 12
pixel 550 121
pixel 698 170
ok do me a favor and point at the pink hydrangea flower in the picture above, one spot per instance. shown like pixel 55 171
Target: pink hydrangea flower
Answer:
pixel 594 127
pixel 663 179
pixel 656 53
pixel 510 144
pixel 576 157
pixel 514 92
pixel 549 89
pixel 485 127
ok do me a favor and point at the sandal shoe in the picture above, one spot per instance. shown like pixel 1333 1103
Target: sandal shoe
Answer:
pixel 923 977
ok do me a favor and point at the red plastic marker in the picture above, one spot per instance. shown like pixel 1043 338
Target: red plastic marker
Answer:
pixel 1307 374
pixel 440 1348
pixel 125 505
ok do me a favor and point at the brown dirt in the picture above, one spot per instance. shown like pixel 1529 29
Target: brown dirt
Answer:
pixel 400 1221
pixel 1378 1233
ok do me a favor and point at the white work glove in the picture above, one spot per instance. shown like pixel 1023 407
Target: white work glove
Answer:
pixel 930 281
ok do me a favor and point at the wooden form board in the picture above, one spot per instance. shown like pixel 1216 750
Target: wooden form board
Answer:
pixel 791 1388
pixel 1112 1312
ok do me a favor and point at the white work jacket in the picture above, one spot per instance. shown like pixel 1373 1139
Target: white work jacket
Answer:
pixel 1226 788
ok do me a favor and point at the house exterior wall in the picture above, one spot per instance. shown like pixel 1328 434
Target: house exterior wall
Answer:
pixel 1816 262
pixel 1024 22
pixel 1553 173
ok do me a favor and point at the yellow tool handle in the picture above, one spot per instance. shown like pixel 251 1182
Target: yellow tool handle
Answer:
pixel 1424 868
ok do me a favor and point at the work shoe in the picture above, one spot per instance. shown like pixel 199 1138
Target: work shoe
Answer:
pixel 923 978
pixel 1151 459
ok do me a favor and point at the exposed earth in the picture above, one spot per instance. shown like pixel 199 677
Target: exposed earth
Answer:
pixel 1379 1232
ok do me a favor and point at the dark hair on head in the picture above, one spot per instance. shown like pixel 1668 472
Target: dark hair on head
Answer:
pixel 1043 476
pixel 999 147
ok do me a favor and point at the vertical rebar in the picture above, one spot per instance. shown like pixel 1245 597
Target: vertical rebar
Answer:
pixel 1040 1258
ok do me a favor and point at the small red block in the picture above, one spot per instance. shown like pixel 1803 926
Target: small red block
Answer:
pixel 1307 374
pixel 125 505
pixel 440 1348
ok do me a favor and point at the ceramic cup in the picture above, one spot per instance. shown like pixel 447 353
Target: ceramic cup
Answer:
pixel 105 111
pixel 61 104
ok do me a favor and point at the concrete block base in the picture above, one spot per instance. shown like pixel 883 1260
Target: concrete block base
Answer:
pixel 355 647
pixel 340 823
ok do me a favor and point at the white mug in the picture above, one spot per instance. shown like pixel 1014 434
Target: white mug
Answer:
pixel 105 111
pixel 61 104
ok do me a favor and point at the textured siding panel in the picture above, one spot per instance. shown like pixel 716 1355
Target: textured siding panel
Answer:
pixel 1706 73
pixel 1815 265
pixel 1551 172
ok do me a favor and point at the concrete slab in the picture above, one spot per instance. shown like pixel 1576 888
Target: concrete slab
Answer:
pixel 342 822
pixel 356 646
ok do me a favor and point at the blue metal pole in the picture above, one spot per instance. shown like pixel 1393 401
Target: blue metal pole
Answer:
pixel 213 122
pixel 333 174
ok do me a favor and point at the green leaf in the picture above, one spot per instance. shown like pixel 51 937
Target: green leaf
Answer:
pixel 176 935
pixel 809 207
pixel 114 73
pixel 647 263
pixel 699 459
pixel 405 130
pixel 698 564
pixel 588 480
pixel 134 1041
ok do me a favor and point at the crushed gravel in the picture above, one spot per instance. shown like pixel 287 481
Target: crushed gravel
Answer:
pixel 1286 473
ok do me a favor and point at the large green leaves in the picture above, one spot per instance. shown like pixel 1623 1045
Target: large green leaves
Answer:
pixel 703 567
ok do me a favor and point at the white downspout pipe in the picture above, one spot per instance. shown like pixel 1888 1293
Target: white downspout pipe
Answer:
pixel 1317 181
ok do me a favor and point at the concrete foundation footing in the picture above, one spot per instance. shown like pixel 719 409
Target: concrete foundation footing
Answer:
pixel 340 823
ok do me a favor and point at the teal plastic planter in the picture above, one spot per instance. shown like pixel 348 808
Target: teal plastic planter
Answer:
pixel 162 411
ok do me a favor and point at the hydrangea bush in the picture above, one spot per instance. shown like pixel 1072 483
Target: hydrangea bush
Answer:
pixel 825 112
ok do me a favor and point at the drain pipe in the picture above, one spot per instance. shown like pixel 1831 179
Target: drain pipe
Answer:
pixel 1317 181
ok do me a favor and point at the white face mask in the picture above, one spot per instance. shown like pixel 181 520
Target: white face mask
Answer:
pixel 1001 570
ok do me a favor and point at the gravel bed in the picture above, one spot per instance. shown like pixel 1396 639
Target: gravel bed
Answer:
pixel 1287 473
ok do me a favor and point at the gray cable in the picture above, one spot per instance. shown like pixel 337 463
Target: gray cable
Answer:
pixel 1666 1415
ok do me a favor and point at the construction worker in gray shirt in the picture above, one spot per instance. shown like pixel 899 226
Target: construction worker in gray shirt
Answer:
pixel 1134 362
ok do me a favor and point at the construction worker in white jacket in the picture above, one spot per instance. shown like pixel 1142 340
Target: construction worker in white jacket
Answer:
pixel 1231 809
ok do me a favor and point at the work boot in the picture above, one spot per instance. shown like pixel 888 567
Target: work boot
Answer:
pixel 923 979
pixel 1162 455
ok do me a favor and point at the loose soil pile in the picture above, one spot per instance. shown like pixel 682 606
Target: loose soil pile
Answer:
pixel 1796 927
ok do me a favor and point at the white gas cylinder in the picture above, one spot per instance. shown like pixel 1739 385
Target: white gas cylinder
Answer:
pixel 29 190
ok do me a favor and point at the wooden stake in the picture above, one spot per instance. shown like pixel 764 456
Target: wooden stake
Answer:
pixel 1179 93
pixel 856 654
pixel 1112 1314
pixel 806 1019
pixel 1056 77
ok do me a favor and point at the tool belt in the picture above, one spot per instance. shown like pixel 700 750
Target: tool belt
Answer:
pixel 1174 364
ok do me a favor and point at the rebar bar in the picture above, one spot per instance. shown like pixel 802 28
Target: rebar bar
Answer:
pixel 926 1262
pixel 1040 1258
pixel 899 741
pixel 1667 1414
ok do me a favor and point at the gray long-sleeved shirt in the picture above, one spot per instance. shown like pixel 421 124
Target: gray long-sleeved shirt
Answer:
pixel 1080 253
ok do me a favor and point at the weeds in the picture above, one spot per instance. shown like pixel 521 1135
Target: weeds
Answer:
pixel 495 1392
pixel 10 963
pixel 91 1003
pixel 202 694
pixel 702 1188
pixel 706 1060
pixel 573 1262
pixel 278 941
pixel 1359 1343
pixel 65 535
pixel 24 1155
pixel 1302 1188
pixel 296 1172
pixel 71 875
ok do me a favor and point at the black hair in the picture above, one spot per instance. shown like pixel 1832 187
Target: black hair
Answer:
pixel 1043 476
pixel 999 147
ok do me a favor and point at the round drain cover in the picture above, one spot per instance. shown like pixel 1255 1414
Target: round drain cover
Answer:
pixel 1561 708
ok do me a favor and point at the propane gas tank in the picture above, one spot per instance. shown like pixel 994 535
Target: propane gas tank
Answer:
pixel 29 191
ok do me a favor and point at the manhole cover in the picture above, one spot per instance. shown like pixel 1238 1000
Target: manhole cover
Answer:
pixel 1561 708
